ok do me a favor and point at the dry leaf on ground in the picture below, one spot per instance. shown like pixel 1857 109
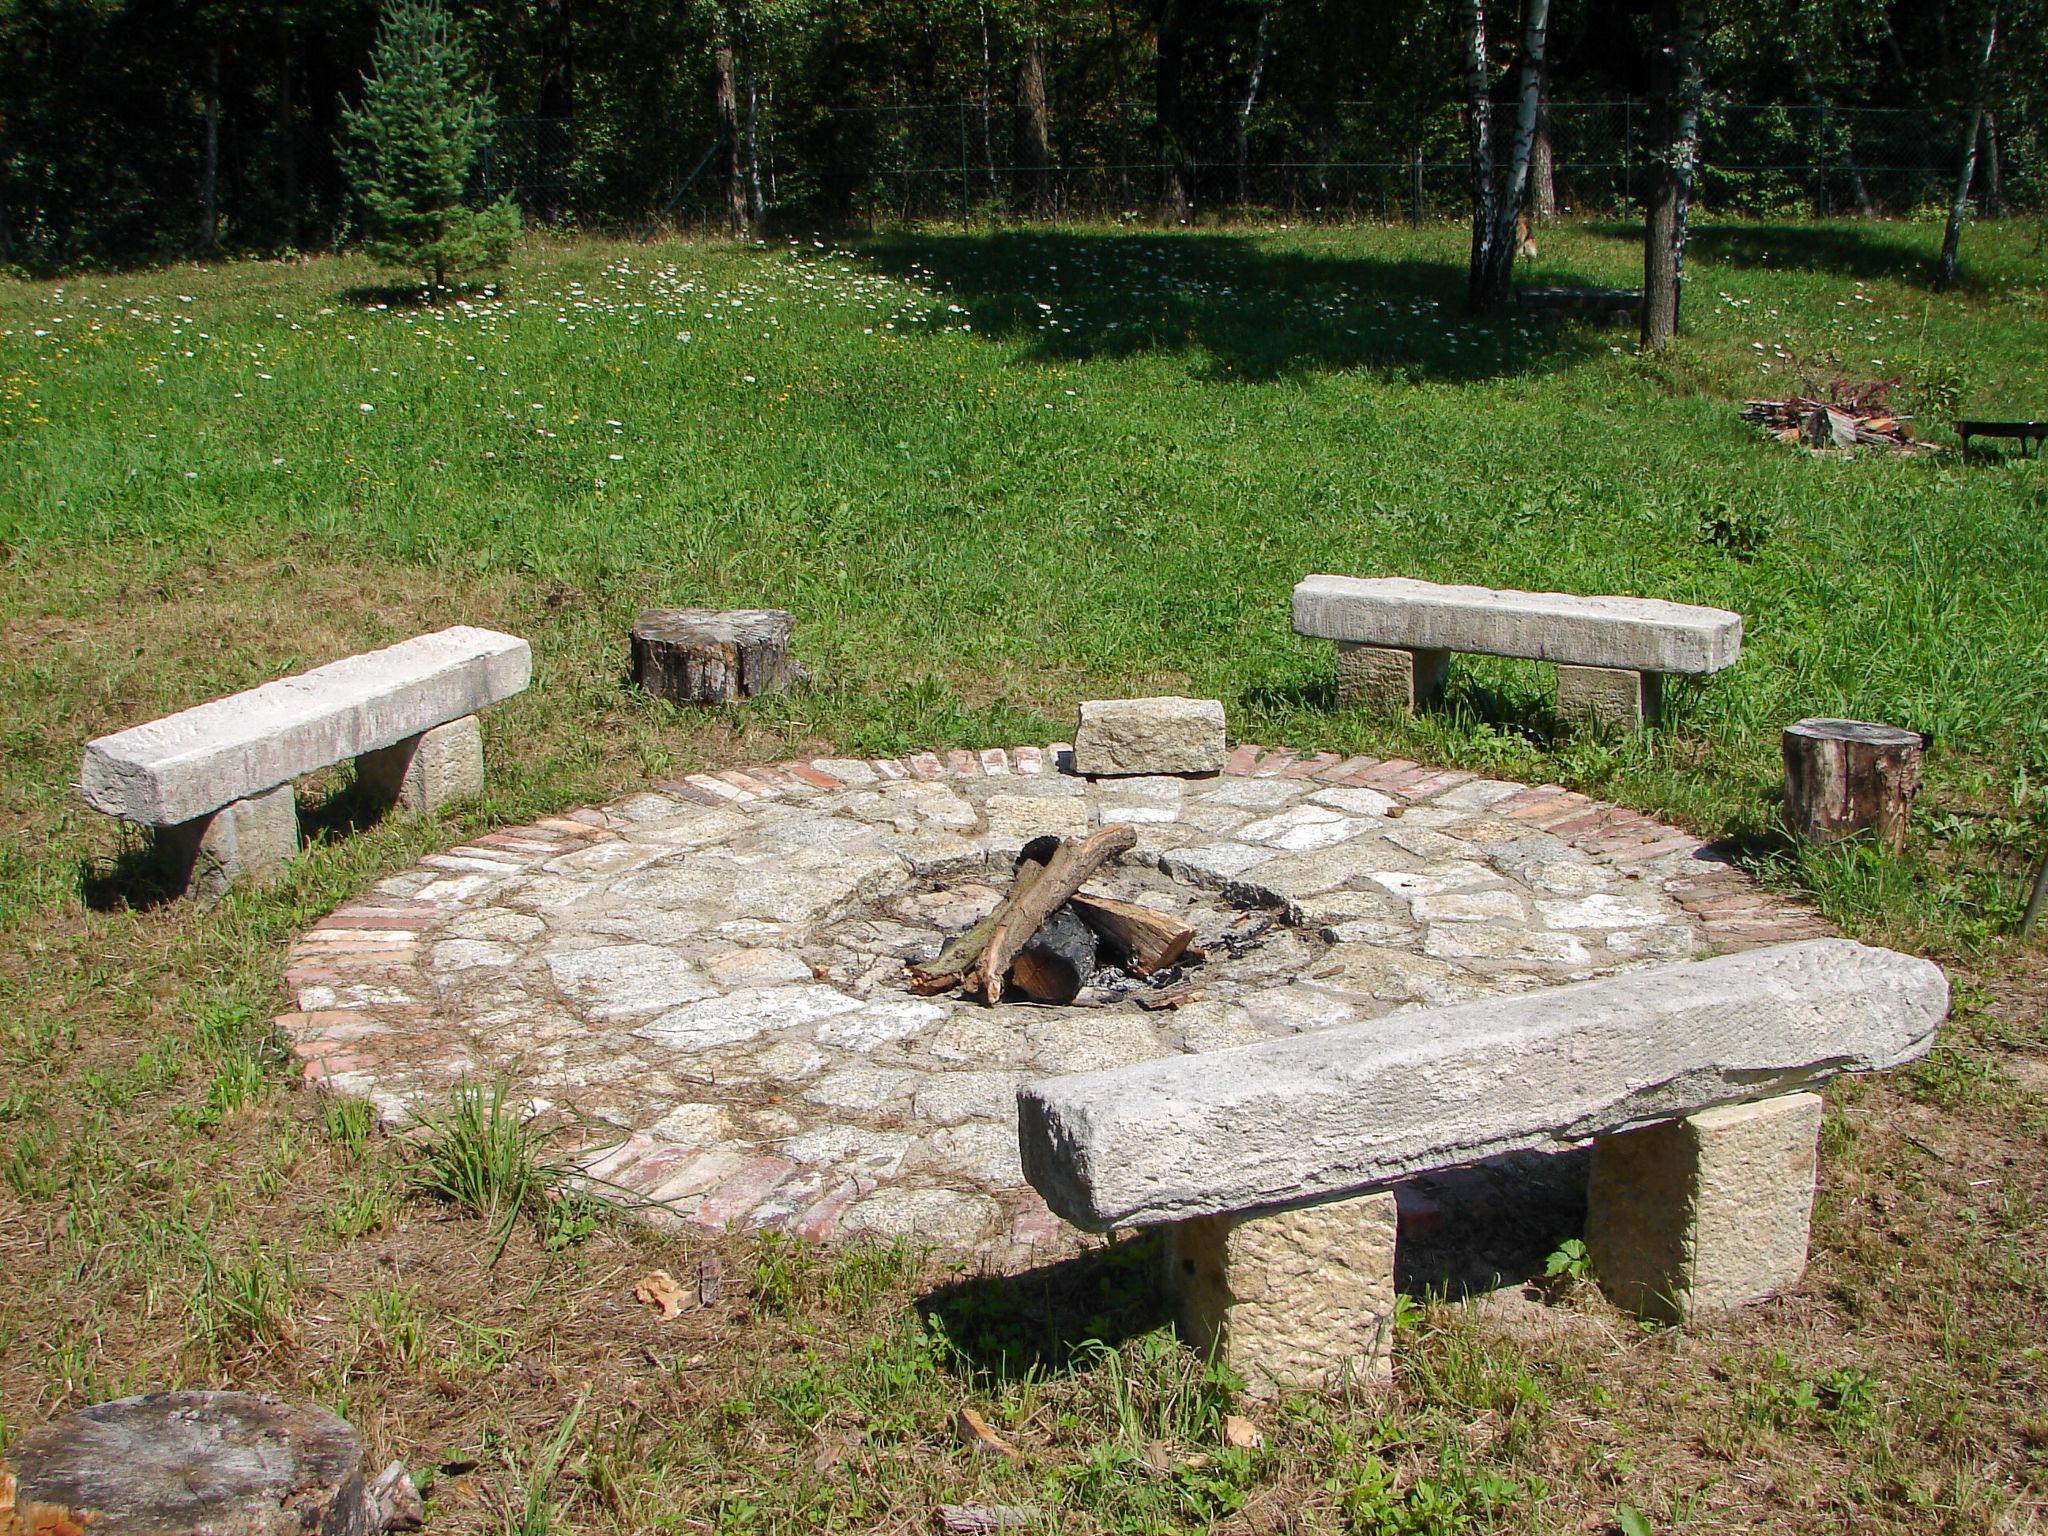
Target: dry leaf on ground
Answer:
pixel 1241 1432
pixel 974 1432
pixel 660 1290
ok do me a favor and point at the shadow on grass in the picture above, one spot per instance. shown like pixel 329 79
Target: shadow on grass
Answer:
pixel 137 879
pixel 1847 249
pixel 1462 1232
pixel 1257 311
pixel 146 875
pixel 412 295
pixel 1035 1322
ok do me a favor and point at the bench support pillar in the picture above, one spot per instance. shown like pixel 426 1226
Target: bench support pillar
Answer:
pixel 1296 1299
pixel 1608 699
pixel 424 772
pixel 1389 680
pixel 1704 1214
pixel 245 842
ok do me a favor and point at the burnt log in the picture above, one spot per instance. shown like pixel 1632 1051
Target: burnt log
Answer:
pixel 1056 963
pixel 1139 939
pixel 713 656
pixel 1843 776
pixel 944 972
pixel 172 1463
pixel 1070 867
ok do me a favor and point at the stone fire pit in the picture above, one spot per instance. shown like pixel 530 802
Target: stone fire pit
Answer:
pixel 711 974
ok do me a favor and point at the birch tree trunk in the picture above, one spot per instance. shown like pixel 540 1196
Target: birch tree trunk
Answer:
pixel 1959 205
pixel 1681 79
pixel 1251 102
pixel 1497 270
pixel 757 202
pixel 1479 124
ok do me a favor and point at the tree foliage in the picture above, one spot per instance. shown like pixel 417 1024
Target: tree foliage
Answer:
pixel 412 144
pixel 149 129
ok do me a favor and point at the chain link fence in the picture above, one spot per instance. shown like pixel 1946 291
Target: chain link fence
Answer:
pixel 965 160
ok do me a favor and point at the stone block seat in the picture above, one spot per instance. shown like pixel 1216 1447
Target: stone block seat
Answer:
pixel 1394 639
pixel 214 782
pixel 1270 1165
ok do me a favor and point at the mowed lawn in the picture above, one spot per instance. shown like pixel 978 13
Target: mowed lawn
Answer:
pixel 992 474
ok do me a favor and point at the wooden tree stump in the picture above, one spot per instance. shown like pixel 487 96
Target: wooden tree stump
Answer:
pixel 713 656
pixel 173 1463
pixel 1842 776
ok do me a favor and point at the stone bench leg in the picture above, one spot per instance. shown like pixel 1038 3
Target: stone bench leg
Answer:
pixel 1388 680
pixel 245 842
pixel 425 772
pixel 1704 1214
pixel 1609 699
pixel 1297 1299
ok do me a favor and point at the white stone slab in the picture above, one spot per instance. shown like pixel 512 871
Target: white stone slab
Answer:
pixel 184 765
pixel 1632 633
pixel 1362 1105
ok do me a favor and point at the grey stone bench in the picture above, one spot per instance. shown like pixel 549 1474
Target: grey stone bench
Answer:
pixel 1394 638
pixel 1269 1164
pixel 215 782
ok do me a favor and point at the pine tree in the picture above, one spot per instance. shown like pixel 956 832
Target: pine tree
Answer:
pixel 411 144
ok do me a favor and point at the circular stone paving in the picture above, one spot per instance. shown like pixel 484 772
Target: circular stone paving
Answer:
pixel 711 974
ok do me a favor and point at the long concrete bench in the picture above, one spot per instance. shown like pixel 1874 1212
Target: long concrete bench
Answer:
pixel 1269 1165
pixel 215 782
pixel 1395 637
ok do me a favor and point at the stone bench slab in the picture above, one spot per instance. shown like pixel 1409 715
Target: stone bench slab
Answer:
pixel 1360 1106
pixel 1625 633
pixel 186 765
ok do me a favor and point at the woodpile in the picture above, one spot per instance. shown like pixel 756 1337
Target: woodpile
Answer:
pixel 1855 418
pixel 1046 938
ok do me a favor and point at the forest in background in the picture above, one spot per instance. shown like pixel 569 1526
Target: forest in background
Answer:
pixel 150 129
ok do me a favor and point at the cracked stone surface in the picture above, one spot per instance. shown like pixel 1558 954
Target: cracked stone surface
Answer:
pixel 713 970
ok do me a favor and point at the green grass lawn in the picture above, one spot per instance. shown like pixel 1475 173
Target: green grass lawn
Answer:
pixel 992 474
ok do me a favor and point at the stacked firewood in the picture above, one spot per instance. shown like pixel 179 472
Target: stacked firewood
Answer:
pixel 1855 418
pixel 1046 937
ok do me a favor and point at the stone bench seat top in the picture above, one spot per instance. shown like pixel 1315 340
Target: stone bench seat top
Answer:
pixel 1348 1109
pixel 1635 634
pixel 188 764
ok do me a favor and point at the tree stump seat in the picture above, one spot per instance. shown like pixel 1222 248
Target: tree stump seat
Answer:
pixel 175 1463
pixel 1843 776
pixel 713 656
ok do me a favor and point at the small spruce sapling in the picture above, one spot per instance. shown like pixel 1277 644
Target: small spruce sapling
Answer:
pixel 412 142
